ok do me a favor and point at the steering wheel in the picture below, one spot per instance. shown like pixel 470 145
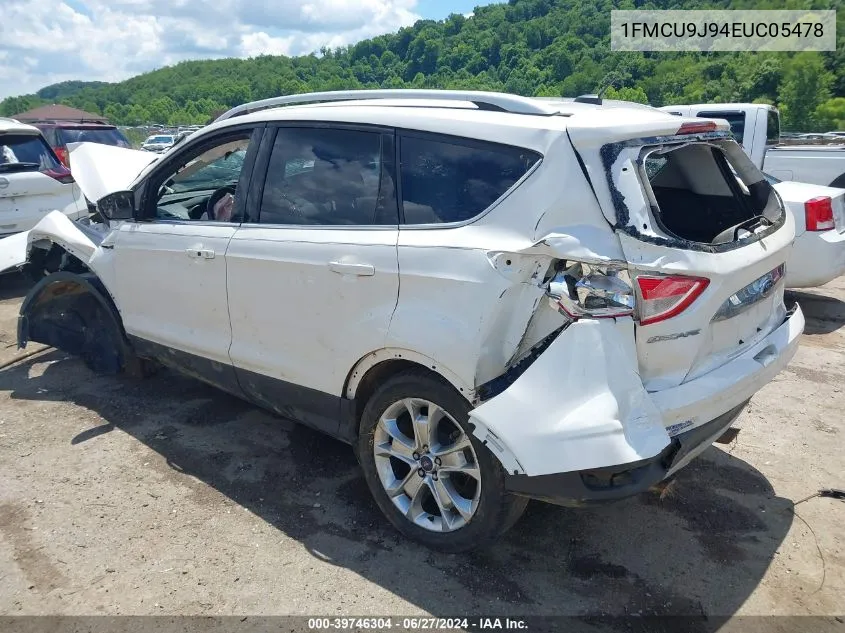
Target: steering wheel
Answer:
pixel 215 198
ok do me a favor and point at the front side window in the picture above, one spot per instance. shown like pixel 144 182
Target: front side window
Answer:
pixel 205 186
pixel 452 180
pixel 327 177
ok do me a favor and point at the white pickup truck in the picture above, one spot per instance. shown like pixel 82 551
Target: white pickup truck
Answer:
pixel 757 128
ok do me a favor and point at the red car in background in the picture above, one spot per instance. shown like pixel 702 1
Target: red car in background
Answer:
pixel 59 133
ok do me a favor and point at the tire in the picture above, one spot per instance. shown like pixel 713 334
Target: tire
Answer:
pixel 472 509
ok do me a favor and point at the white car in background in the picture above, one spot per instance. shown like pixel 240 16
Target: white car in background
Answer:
pixel 818 255
pixel 158 143
pixel 490 298
pixel 33 182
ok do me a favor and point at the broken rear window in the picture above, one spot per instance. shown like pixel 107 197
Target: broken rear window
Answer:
pixel 707 192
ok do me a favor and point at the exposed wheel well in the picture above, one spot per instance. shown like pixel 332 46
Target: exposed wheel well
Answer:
pixel 73 312
pixel 47 257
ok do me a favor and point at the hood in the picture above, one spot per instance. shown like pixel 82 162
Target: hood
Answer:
pixel 103 169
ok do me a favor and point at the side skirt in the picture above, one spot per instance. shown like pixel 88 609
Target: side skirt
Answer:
pixel 332 415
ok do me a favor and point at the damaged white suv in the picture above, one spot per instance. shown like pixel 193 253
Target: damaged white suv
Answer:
pixel 491 298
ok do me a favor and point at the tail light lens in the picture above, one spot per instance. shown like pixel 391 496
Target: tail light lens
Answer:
pixel 62 155
pixel 819 213
pixel 592 291
pixel 60 173
pixel 662 298
pixel 697 127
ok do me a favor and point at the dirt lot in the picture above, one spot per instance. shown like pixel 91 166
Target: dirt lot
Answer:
pixel 164 496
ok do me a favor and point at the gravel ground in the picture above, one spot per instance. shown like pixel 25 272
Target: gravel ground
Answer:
pixel 164 496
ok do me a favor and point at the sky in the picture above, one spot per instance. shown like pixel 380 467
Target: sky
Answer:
pixel 47 41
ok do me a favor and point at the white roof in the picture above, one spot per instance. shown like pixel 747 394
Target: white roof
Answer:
pixel 12 125
pixel 463 118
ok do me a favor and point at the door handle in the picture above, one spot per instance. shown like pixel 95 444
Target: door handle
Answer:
pixel 199 253
pixel 360 270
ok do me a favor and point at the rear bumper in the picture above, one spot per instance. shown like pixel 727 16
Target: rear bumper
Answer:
pixel 578 427
pixel 816 258
pixel 600 485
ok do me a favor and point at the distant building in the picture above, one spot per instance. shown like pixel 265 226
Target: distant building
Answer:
pixel 58 112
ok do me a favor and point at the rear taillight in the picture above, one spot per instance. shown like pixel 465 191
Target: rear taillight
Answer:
pixel 819 213
pixel 662 298
pixel 697 127
pixel 60 173
pixel 592 291
pixel 61 153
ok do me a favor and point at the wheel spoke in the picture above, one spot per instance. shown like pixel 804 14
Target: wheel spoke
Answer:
pixel 392 429
pixel 400 485
pixel 397 450
pixel 412 487
pixel 456 501
pixel 470 470
pixel 422 427
pixel 443 500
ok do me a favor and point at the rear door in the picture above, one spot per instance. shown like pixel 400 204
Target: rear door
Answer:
pixel 313 277
pixel 33 183
pixel 699 223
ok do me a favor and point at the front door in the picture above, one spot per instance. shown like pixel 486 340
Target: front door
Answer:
pixel 313 282
pixel 171 266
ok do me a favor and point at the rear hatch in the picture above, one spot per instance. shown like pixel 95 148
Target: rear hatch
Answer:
pixel 32 181
pixel 704 234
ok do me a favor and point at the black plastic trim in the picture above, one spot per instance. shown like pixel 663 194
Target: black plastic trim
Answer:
pixel 332 415
pixel 601 485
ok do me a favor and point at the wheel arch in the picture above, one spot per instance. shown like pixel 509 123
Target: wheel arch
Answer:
pixel 74 312
pixel 376 367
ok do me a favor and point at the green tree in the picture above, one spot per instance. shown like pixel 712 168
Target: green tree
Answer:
pixel 805 87
pixel 831 114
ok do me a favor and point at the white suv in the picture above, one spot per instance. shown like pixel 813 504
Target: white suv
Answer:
pixel 491 298
pixel 32 180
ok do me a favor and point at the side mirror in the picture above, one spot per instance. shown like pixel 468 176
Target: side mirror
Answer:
pixel 117 206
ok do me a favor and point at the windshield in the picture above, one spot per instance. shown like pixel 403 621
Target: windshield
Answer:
pixel 103 136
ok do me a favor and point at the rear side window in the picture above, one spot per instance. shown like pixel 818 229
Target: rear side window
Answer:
pixel 104 136
pixel 452 180
pixel 735 119
pixel 25 151
pixel 328 177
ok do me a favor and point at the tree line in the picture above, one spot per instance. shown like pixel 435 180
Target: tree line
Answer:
pixel 527 47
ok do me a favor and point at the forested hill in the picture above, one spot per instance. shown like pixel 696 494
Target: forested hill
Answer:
pixel 529 47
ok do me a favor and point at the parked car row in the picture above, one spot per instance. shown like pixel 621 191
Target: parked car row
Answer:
pixel 33 181
pixel 491 298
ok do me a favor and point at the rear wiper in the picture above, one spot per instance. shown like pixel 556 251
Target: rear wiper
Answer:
pixel 18 166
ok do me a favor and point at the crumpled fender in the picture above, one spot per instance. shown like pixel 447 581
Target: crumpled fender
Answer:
pixel 77 239
pixel 580 405
pixel 586 243
pixel 13 251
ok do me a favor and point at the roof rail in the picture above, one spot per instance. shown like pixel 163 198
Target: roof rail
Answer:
pixel 497 101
